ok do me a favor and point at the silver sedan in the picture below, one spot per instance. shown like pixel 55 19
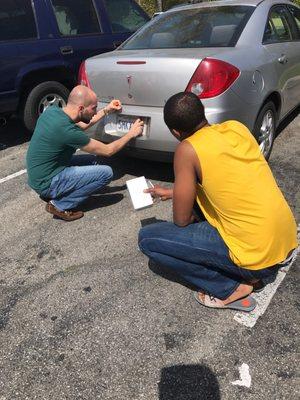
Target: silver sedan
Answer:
pixel 242 58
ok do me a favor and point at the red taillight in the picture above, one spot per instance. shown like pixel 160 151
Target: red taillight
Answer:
pixel 82 76
pixel 211 78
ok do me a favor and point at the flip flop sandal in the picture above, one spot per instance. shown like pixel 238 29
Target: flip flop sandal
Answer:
pixel 245 304
pixel 258 286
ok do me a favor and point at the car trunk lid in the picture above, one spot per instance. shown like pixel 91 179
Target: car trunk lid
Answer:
pixel 144 77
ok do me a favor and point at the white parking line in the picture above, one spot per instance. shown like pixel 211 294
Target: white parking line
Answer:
pixel 7 178
pixel 264 298
pixel 23 171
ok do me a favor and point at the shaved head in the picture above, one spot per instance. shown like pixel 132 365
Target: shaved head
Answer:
pixel 81 95
pixel 82 104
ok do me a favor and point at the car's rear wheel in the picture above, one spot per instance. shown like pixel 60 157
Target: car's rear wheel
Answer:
pixel 41 97
pixel 265 128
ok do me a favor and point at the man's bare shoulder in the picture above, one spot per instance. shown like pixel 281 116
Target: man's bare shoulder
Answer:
pixel 186 158
pixel 184 149
pixel 185 153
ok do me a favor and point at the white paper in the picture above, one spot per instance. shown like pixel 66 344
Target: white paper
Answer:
pixel 136 188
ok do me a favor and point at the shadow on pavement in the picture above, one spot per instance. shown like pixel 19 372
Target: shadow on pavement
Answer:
pixel 13 133
pixel 122 165
pixel 150 221
pixel 168 274
pixel 287 121
pixel 188 382
pixel 100 200
pixel 111 189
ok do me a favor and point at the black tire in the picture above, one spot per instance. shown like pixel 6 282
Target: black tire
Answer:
pixel 43 95
pixel 265 128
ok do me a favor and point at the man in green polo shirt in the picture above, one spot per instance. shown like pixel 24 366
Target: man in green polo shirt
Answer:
pixel 54 172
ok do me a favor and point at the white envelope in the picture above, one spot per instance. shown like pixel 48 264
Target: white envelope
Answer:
pixel 136 188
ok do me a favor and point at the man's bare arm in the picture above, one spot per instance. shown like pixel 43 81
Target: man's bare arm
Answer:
pixel 113 106
pixel 100 114
pixel 186 169
pixel 107 150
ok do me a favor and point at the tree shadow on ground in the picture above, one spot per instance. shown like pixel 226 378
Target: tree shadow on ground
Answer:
pixel 188 382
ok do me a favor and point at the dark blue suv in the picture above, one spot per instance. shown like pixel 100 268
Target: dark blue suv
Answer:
pixel 42 43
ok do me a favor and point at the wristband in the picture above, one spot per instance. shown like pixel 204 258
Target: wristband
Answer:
pixel 105 111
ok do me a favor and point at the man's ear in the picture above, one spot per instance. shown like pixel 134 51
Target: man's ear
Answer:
pixel 80 108
pixel 176 133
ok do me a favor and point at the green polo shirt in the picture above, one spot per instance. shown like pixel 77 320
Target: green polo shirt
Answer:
pixel 54 141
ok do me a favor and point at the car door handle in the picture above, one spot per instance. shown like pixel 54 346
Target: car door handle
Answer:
pixel 282 59
pixel 66 50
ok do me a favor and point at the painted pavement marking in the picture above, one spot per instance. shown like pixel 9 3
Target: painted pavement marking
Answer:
pixel 245 377
pixel 264 298
pixel 7 178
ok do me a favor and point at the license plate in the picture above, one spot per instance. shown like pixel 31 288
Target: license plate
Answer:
pixel 119 125
pixel 124 124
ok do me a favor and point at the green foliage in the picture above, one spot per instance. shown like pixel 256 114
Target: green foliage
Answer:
pixel 151 6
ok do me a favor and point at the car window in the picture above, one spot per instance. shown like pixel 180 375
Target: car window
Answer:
pixel 270 35
pixel 193 27
pixel 75 18
pixel 296 14
pixel 277 28
pixel 16 20
pixel 125 15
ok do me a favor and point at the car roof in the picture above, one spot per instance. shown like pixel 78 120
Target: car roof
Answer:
pixel 252 3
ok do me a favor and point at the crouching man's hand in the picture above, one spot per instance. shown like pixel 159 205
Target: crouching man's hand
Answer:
pixel 136 128
pixel 160 192
pixel 114 105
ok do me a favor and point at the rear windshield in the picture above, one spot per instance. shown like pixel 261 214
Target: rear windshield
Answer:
pixel 189 28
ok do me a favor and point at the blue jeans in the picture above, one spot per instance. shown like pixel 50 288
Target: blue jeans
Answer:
pixel 77 182
pixel 198 254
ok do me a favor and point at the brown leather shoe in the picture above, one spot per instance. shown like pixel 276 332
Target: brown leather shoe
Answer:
pixel 67 215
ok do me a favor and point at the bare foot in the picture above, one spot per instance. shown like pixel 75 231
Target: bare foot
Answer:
pixel 242 290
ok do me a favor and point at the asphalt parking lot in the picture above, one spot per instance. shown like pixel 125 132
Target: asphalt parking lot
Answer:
pixel 83 315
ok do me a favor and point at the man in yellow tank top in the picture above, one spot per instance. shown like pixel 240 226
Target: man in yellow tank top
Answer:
pixel 247 230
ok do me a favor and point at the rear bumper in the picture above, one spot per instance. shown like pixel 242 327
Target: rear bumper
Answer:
pixel 158 138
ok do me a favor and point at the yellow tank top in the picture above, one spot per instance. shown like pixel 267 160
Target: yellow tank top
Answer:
pixel 240 198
